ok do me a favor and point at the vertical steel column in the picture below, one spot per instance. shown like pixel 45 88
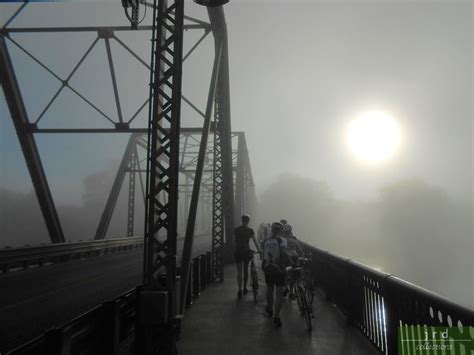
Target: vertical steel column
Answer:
pixel 186 198
pixel 157 320
pixel 28 145
pixel 217 205
pixel 223 156
pixel 240 177
pixel 115 190
pixel 193 209
pixel 131 191
pixel 249 195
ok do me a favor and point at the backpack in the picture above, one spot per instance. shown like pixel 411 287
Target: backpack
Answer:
pixel 272 258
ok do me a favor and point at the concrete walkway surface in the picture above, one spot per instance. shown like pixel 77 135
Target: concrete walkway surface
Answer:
pixel 218 323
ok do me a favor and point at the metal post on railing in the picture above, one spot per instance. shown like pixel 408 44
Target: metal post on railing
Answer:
pixel 197 277
pixel 327 273
pixel 209 267
pixel 350 300
pixel 189 292
pixel 203 271
pixel 56 342
pixel 391 314
pixel 111 328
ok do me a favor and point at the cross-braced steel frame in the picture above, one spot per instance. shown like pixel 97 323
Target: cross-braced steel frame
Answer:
pixel 161 215
pixel 209 168
pixel 190 141
pixel 132 164
pixel 26 127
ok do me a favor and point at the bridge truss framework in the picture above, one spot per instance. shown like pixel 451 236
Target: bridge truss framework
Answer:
pixel 221 171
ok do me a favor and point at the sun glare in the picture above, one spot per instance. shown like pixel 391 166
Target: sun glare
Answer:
pixel 373 136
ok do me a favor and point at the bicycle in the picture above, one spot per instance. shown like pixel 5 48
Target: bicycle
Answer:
pixel 301 296
pixel 253 275
pixel 309 283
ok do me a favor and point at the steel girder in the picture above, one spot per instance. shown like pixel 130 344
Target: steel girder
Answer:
pixel 223 205
pixel 163 148
pixel 190 141
pixel 131 163
pixel 20 119
pixel 191 222
pixel 115 191
pixel 26 128
pixel 245 196
pixel 157 300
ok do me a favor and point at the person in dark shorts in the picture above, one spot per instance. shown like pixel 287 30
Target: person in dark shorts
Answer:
pixel 242 236
pixel 275 257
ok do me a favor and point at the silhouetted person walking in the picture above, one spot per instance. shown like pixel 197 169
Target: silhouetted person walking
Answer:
pixel 242 236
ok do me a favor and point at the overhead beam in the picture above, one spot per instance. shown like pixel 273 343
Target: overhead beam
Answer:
pixel 92 28
pixel 32 128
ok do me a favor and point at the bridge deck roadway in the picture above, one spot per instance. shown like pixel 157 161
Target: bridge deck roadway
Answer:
pixel 32 301
pixel 220 324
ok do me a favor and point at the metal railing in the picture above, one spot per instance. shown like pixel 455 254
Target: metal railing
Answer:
pixel 102 329
pixel 37 256
pixel 378 304
pixel 374 302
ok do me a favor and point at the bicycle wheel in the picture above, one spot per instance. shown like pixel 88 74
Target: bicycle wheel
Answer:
pixel 299 295
pixel 306 312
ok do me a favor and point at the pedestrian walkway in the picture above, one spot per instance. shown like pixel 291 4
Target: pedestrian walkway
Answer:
pixel 218 323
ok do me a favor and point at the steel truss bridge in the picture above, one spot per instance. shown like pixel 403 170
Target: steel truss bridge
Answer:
pixel 181 175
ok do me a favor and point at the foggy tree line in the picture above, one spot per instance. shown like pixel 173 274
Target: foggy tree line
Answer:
pixel 412 230
pixel 21 221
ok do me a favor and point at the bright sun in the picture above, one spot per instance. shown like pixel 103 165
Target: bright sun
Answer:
pixel 373 136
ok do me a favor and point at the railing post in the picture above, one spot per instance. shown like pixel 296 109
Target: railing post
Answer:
pixel 351 301
pixel 392 315
pixel 189 293
pixel 203 273
pixel 111 327
pixel 209 266
pixel 197 276
pixel 56 343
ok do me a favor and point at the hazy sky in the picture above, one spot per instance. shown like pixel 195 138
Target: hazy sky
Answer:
pixel 299 70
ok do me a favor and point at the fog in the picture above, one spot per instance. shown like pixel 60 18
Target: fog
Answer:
pixel 300 71
pixel 412 230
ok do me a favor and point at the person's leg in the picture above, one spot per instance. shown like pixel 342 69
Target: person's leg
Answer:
pixel 279 282
pixel 270 289
pixel 278 300
pixel 238 263
pixel 246 273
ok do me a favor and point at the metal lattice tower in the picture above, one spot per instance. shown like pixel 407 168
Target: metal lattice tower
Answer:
pixel 131 191
pixel 163 145
pixel 217 207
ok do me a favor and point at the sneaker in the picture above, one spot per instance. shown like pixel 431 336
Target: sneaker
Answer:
pixel 246 291
pixel 269 311
pixel 285 291
pixel 239 295
pixel 277 322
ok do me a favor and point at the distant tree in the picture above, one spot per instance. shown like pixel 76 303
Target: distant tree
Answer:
pixel 307 204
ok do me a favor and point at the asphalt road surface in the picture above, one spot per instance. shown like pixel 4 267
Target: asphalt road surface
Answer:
pixel 32 301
